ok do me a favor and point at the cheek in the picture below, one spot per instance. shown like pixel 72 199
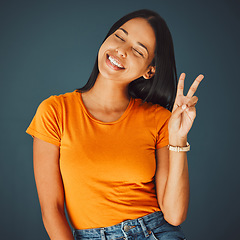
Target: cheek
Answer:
pixel 101 54
pixel 139 65
pixel 101 50
pixel 107 44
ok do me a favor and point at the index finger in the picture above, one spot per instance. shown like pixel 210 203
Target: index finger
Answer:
pixel 194 86
pixel 180 85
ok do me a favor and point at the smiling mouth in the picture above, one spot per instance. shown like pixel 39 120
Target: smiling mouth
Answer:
pixel 111 62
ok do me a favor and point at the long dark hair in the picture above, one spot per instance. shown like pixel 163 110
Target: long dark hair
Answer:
pixel 161 88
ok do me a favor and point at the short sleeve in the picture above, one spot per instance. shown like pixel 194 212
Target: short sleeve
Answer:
pixel 162 118
pixel 46 123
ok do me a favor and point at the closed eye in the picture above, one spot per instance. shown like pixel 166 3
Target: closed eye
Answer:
pixel 119 37
pixel 133 48
pixel 138 52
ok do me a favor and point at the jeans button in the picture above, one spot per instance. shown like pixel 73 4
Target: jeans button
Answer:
pixel 126 228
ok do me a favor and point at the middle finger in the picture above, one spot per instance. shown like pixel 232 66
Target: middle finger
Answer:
pixel 194 86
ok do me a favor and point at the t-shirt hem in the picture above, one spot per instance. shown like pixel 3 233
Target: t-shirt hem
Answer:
pixel 34 133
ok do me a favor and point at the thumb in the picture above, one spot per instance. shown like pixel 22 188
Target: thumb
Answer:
pixel 179 111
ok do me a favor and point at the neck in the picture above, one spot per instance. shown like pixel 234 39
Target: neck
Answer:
pixel 108 94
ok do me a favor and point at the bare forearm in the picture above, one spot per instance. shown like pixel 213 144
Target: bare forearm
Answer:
pixel 56 225
pixel 176 196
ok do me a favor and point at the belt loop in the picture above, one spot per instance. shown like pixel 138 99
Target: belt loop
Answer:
pixel 144 228
pixel 73 233
pixel 102 232
pixel 122 228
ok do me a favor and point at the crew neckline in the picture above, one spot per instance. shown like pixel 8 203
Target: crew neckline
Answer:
pixel 124 115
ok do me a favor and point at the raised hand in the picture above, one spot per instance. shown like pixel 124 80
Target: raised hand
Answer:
pixel 184 111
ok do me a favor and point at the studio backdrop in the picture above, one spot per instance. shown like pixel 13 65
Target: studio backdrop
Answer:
pixel 49 48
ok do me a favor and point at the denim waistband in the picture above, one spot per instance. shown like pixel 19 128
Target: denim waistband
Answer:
pixel 123 229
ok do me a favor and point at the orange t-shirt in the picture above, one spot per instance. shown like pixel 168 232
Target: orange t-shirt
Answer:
pixel 107 168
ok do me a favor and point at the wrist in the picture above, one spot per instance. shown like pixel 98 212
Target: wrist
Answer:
pixel 178 141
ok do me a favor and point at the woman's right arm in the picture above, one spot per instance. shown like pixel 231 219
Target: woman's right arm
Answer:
pixel 50 189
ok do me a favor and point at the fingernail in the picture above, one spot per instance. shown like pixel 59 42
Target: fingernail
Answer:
pixel 183 106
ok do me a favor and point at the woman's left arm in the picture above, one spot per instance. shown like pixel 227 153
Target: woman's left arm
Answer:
pixel 172 178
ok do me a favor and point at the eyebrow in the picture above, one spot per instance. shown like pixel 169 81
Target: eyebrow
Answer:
pixel 137 42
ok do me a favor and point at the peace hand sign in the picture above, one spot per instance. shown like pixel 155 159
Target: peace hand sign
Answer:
pixel 182 118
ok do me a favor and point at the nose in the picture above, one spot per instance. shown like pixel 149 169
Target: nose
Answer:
pixel 121 51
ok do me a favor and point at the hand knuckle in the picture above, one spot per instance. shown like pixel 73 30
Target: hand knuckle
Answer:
pixel 193 89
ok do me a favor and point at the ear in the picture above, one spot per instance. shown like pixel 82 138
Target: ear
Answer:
pixel 150 72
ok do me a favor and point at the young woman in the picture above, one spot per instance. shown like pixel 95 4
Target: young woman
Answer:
pixel 114 151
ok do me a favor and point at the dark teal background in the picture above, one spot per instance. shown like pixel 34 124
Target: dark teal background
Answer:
pixel 49 47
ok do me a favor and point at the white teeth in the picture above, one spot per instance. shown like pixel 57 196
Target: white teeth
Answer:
pixel 114 62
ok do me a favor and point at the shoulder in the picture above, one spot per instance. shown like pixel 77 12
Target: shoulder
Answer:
pixel 57 100
pixel 156 109
pixel 161 112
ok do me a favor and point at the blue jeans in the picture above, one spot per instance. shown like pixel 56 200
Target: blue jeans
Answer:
pixel 152 226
